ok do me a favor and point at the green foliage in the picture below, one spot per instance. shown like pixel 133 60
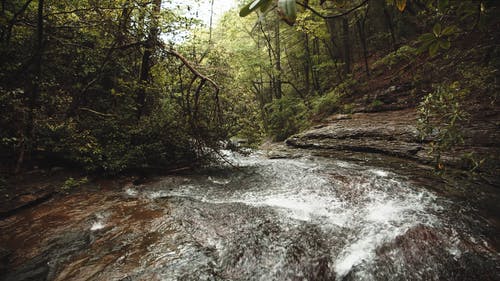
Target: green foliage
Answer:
pixel 327 104
pixel 441 113
pixel 13 111
pixel 403 54
pixel 480 78
pixel 473 162
pixel 72 183
pixel 438 39
pixel 348 108
pixel 376 104
pixel 88 110
pixel 330 102
pixel 287 116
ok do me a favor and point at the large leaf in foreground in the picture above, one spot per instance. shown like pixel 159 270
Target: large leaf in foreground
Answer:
pixel 252 6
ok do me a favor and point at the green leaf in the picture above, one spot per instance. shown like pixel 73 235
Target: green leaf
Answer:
pixel 433 49
pixel 425 41
pixel 445 44
pixel 252 6
pixel 449 30
pixel 437 29
pixel 426 37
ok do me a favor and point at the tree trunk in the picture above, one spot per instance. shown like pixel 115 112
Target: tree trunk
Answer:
pixel 347 45
pixel 307 64
pixel 278 90
pixel 388 20
pixel 28 144
pixel 315 74
pixel 147 56
pixel 2 14
pixel 330 24
pixel 124 23
pixel 362 39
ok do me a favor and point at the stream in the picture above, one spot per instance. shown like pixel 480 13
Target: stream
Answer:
pixel 306 218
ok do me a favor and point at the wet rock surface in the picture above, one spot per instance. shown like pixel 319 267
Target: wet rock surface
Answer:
pixel 306 217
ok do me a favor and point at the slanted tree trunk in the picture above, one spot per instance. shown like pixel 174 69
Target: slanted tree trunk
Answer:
pixel 10 25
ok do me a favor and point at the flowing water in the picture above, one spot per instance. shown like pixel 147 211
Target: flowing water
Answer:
pixel 309 218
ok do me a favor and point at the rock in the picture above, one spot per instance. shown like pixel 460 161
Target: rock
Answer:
pixel 432 254
pixel 395 133
pixel 386 133
pixel 336 117
pixel 4 258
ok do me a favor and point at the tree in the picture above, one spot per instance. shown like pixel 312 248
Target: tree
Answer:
pixel 94 67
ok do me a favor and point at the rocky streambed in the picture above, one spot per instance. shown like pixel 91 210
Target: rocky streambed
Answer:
pixel 298 216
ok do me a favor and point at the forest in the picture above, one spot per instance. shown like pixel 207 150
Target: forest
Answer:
pixel 111 86
pixel 249 140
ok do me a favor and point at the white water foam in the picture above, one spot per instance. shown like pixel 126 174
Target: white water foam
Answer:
pixel 219 181
pixel 97 226
pixel 380 173
pixel 375 206
pixel 131 191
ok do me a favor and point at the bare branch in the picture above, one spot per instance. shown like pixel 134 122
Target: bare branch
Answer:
pixel 100 114
pixel 14 19
pixel 192 69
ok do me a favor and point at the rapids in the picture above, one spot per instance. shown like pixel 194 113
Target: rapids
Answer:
pixel 307 218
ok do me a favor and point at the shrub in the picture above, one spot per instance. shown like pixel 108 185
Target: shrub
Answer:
pixel 327 104
pixel 287 116
pixel 330 102
pixel 404 53
pixel 71 183
pixel 440 114
pixel 376 104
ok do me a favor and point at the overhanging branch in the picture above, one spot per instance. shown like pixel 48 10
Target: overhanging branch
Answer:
pixel 192 69
pixel 306 6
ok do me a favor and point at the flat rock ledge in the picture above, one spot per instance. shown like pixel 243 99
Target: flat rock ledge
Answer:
pixel 395 133
pixel 391 135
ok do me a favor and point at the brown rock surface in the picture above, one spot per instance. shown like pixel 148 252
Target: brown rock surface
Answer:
pixel 395 133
